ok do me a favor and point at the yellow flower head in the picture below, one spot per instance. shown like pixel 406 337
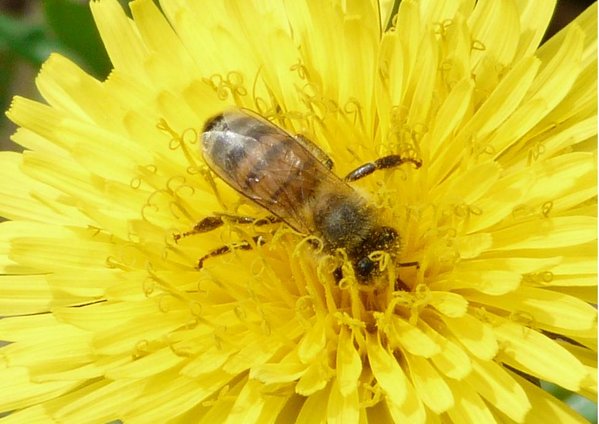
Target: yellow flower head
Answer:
pixel 487 289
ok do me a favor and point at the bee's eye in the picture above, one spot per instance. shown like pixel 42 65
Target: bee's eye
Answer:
pixel 364 267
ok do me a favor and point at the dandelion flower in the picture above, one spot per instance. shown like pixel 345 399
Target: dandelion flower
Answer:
pixel 108 318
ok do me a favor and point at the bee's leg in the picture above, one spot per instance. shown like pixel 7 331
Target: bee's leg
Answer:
pixel 213 222
pixel 240 219
pixel 243 245
pixel 315 150
pixel 408 264
pixel 399 284
pixel 386 162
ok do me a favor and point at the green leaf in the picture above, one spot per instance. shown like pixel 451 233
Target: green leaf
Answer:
pixel 7 68
pixel 584 407
pixel 580 404
pixel 74 27
pixel 28 41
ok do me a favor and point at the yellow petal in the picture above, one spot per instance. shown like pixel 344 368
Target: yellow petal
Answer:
pixel 314 379
pixel 158 35
pixel 114 29
pixel 343 408
pixel 495 384
pixel 413 339
pixel 102 398
pixel 387 371
pixel 348 364
pixel 450 114
pixel 551 85
pixel 453 361
pixel 314 409
pixel 168 392
pixel 313 342
pixel 487 21
pixel 248 405
pixel 30 327
pixel 412 411
pixel 489 281
pixel 208 361
pixel 449 304
pixel 474 335
pixel 423 90
pixel 256 350
pixel 52 356
pixel 18 391
pixel 469 407
pixel 286 370
pixel 546 407
pixel 571 134
pixel 105 315
pixel 535 353
pixel 587 21
pixel 460 189
pixel 431 387
pixel 125 337
pixel 549 309
pixel 507 194
pixel 550 232
pixel 534 19
pixel 28 200
pixel 147 365
pixel 34 414
pixel 24 294
pixel 561 176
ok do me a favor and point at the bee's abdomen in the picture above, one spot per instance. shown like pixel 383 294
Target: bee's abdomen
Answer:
pixel 260 161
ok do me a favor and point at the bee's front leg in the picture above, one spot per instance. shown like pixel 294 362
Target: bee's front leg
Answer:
pixel 386 162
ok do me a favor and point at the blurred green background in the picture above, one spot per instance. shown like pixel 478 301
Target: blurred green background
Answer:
pixel 31 29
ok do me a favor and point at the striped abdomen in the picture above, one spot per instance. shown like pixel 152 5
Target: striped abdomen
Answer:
pixel 267 165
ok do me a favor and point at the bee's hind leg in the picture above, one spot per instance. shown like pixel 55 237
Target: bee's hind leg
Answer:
pixel 213 222
pixel 243 245
pixel 386 162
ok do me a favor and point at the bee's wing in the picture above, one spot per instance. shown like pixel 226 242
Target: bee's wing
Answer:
pixel 267 165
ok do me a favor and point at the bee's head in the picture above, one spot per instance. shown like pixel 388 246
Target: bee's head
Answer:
pixel 381 238
pixel 364 268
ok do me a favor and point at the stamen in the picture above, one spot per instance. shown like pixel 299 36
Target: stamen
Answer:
pixel 478 45
pixel 316 245
pixel 546 208
pixel 231 85
pixel 353 107
pixel 112 262
pixel 301 69
pixel 525 319
pixel 141 349
pixel 376 395
pixel 304 310
pixel 542 277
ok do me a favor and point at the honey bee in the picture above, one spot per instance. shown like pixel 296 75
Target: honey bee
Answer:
pixel 292 178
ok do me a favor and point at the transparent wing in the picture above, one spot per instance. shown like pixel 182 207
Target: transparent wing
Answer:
pixel 267 165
